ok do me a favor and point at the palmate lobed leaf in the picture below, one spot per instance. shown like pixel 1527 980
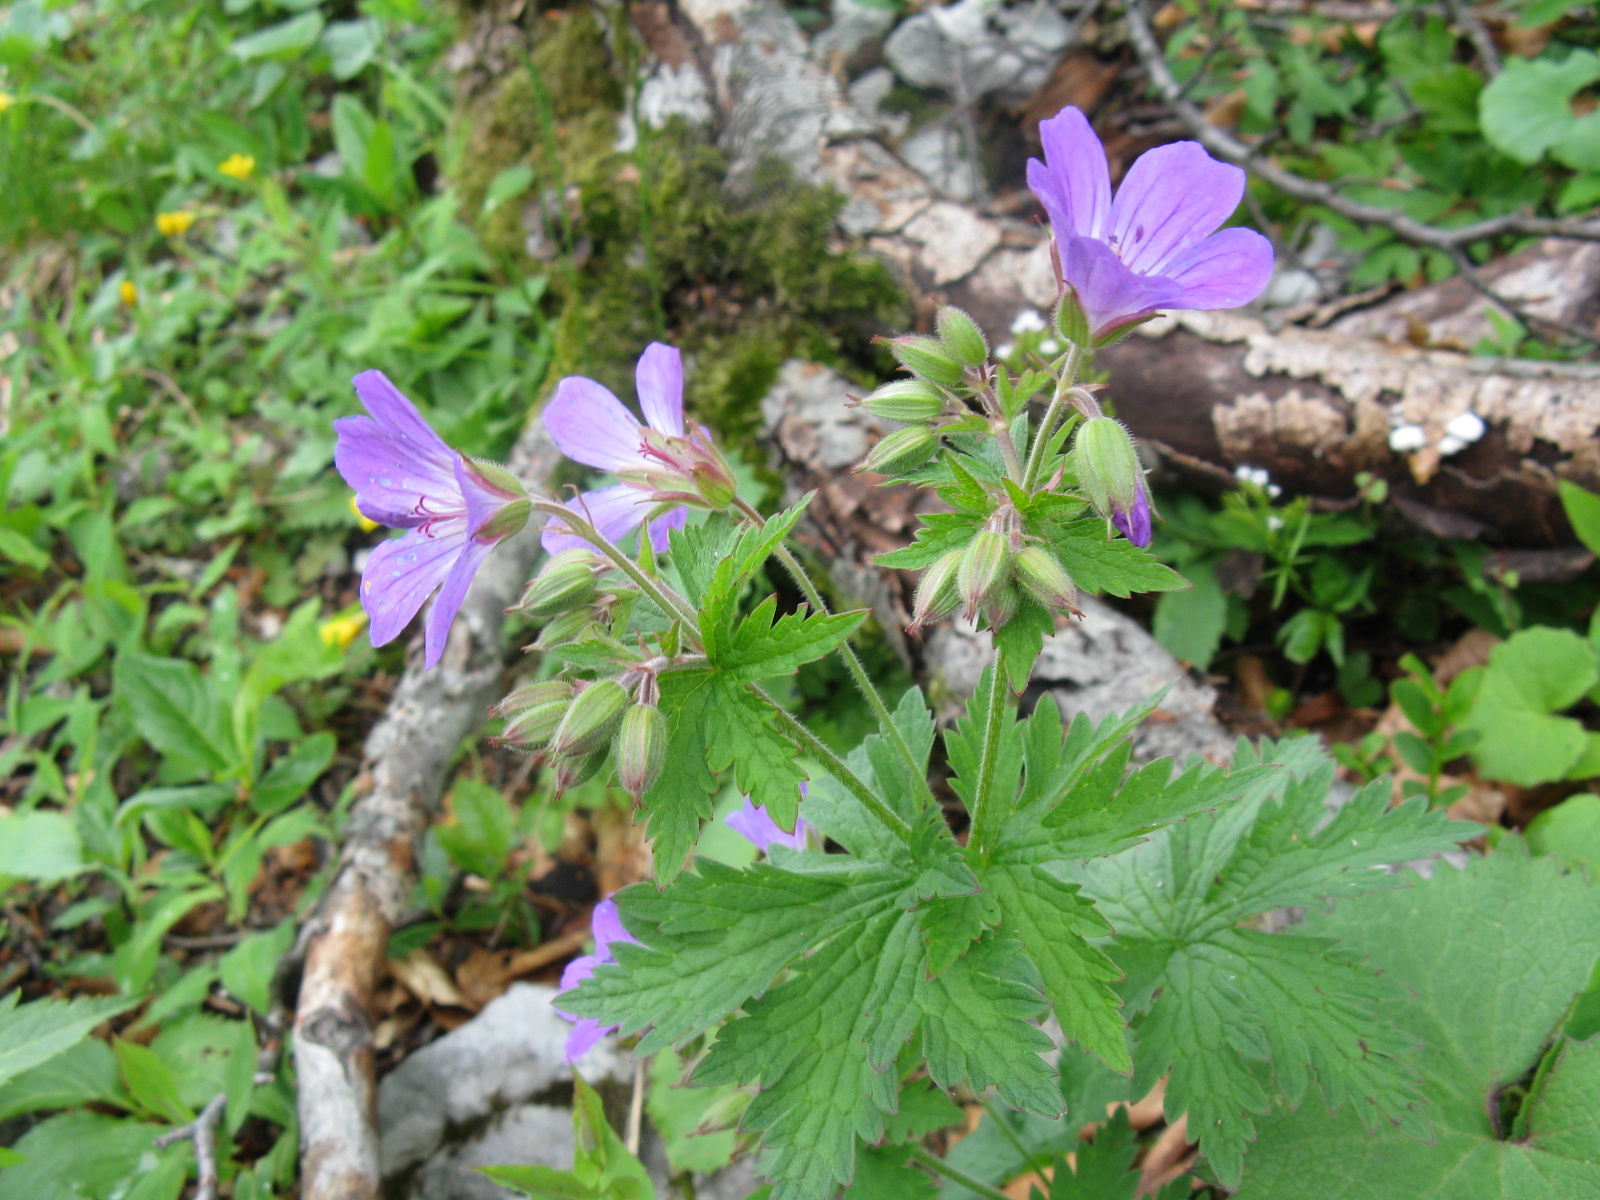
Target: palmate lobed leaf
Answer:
pixel 1212 1000
pixel 1490 959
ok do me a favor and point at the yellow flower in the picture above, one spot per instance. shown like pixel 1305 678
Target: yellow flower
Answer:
pixel 341 631
pixel 6 101
pixel 129 292
pixel 366 522
pixel 238 166
pixel 174 224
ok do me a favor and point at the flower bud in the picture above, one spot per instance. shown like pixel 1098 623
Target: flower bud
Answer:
pixel 531 695
pixel 715 485
pixel 533 712
pixel 961 336
pixel 575 626
pixel 570 772
pixel 1043 578
pixel 906 400
pixel 1107 465
pixel 590 720
pixel 925 357
pixel 903 450
pixel 985 563
pixel 1002 604
pixel 641 748
pixel 1071 321
pixel 565 583
pixel 936 593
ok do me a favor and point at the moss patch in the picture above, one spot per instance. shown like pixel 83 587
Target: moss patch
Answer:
pixel 740 284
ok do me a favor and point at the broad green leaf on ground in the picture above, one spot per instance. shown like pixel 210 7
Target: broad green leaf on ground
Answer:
pixel 603 1168
pixel 82 1156
pixel 1212 1000
pixel 36 1032
pixel 1490 959
pixel 85 1073
pixel 678 1113
pixel 1583 511
pixel 1114 566
pixel 292 774
pixel 819 1046
pixel 1571 832
pixel 248 968
pixel 1532 676
pixel 1103 1169
pixel 176 710
pixel 1527 110
pixel 886 1173
pixel 150 1082
pixel 1189 623
pixel 41 845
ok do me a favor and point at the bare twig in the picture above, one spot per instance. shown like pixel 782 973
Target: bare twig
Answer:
pixel 1488 53
pixel 1225 145
pixel 202 1131
pixel 1529 319
pixel 636 1107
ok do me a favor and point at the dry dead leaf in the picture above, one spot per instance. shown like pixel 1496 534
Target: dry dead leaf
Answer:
pixel 1168 1157
pixel 425 979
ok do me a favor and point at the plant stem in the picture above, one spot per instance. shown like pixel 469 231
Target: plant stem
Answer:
pixel 836 767
pixel 1052 416
pixel 858 672
pixel 955 1174
pixel 665 598
pixel 983 802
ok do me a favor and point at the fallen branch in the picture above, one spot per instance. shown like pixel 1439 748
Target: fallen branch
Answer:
pixel 202 1131
pixel 408 758
pixel 1225 145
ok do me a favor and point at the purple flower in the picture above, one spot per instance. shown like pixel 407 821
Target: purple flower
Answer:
pixel 753 823
pixel 455 509
pixel 607 928
pixel 661 468
pixel 1149 248
pixel 1135 520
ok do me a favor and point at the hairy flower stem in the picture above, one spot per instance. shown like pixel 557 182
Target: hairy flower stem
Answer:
pixel 955 1174
pixel 858 672
pixel 1052 416
pixel 994 724
pixel 665 598
pixel 835 766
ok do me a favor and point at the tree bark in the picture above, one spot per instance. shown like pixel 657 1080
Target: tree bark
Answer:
pixel 408 756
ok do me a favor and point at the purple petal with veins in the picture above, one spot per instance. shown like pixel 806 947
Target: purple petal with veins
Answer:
pixel 659 378
pixel 754 824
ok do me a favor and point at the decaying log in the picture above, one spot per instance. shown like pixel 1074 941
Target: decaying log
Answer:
pixel 407 757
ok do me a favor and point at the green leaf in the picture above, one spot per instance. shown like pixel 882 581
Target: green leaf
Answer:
pixel 1570 832
pixel 292 774
pixel 22 551
pixel 819 1046
pixel 351 46
pixel 886 1173
pixel 717 937
pixel 283 40
pixel 1583 510
pixel 678 1111
pixel 484 829
pixel 1021 638
pixel 1054 921
pixel 151 1082
pixel 760 647
pixel 1104 1167
pixel 1189 624
pixel 1527 110
pixel 1490 959
pixel 176 709
pixel 248 968
pixel 84 1073
pixel 507 185
pixel 939 534
pixel 923 1109
pixel 699 550
pixel 1217 999
pixel 739 734
pixel 681 798
pixel 1536 673
pixel 1114 566
pixel 543 1183
pixel 977 1026
pixel 40 845
pixel 34 1033
pixel 80 1154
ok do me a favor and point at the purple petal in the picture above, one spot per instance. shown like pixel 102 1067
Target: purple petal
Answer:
pixel 1224 271
pixel 659 377
pixel 1135 522
pixel 753 823
pixel 393 459
pixel 614 511
pixel 1111 293
pixel 607 927
pixel 1072 183
pixel 665 523
pixel 591 426
pixel 585 1035
pixel 403 572
pixel 577 971
pixel 1172 198
pixel 453 591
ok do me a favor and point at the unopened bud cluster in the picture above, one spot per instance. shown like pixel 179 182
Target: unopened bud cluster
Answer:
pixel 989 576
pixel 945 370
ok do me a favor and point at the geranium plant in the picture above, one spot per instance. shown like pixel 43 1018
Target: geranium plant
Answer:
pixel 878 946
